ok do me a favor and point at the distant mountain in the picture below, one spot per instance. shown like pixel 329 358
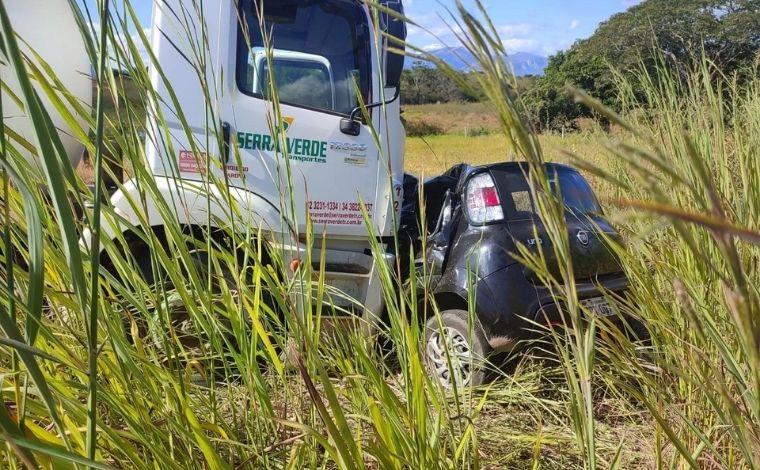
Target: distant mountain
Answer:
pixel 523 63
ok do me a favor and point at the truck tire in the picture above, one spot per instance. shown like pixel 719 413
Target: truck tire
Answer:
pixel 190 337
pixel 179 319
pixel 456 351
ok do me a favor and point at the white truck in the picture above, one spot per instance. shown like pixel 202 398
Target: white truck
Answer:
pixel 327 58
pixel 49 30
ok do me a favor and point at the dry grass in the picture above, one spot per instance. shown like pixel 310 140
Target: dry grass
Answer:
pixel 519 426
pixel 433 154
pixel 454 118
pixel 80 388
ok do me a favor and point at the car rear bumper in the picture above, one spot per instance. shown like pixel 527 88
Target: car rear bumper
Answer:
pixel 509 306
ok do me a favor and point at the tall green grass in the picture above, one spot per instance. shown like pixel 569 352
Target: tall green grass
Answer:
pixel 96 371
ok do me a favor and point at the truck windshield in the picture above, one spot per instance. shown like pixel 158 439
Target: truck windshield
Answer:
pixel 320 53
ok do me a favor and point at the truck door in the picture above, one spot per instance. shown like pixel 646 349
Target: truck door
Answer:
pixel 317 60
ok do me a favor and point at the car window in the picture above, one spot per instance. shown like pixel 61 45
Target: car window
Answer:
pixel 522 201
pixel 568 184
pixel 574 191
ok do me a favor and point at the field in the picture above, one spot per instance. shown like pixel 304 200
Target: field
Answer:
pixel 525 418
pixel 183 347
pixel 432 154
pixel 451 118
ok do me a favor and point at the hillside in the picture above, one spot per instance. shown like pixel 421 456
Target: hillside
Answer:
pixel 523 63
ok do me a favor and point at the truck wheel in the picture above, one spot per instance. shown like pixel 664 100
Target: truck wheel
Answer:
pixel 179 316
pixel 455 351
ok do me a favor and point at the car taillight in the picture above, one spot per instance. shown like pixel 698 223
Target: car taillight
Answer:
pixel 483 204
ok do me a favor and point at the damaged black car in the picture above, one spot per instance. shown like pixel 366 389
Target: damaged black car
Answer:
pixel 475 219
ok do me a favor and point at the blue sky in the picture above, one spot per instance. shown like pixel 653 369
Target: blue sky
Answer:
pixel 540 26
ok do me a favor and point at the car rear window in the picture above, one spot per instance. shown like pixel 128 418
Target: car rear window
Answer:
pixel 574 191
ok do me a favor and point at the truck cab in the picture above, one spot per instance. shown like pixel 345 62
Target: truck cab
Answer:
pixel 287 161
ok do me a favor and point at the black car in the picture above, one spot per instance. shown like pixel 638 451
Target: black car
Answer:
pixel 476 217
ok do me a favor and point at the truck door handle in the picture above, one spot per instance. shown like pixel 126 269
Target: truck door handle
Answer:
pixel 225 141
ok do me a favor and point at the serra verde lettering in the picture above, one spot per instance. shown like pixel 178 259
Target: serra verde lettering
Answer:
pixel 303 150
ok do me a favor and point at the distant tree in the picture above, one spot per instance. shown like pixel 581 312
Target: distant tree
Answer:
pixel 728 31
pixel 654 33
pixel 424 84
pixel 525 83
pixel 547 100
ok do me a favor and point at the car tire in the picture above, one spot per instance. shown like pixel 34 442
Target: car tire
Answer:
pixel 468 349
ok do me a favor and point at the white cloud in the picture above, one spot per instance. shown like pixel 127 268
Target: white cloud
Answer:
pixel 430 30
pixel 513 45
pixel 412 30
pixel 515 29
pixel 422 18
pixel 120 38
pixel 574 25
pixel 549 49
pixel 433 31
pixel 141 50
pixel 432 47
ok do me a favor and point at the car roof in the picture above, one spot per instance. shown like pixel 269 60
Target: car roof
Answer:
pixel 523 165
pixel 465 171
pixel 457 175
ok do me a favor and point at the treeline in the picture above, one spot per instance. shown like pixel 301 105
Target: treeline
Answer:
pixel 677 35
pixel 656 35
pixel 424 84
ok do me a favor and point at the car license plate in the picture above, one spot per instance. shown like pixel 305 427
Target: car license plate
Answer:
pixel 598 306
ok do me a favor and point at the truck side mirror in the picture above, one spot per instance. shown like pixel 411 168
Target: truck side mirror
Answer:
pixel 393 29
pixel 395 35
pixel 350 126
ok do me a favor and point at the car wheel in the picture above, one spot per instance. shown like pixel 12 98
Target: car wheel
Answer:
pixel 455 350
